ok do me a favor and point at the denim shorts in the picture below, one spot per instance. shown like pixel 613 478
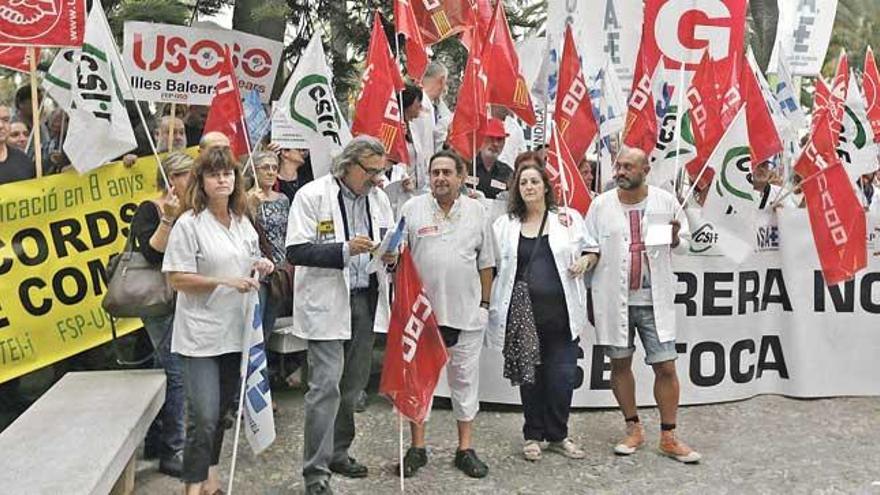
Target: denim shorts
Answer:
pixel 641 318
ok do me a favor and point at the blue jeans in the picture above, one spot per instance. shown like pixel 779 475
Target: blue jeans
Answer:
pixel 171 434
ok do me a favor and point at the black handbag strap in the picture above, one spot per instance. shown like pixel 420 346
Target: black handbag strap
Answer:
pixel 535 247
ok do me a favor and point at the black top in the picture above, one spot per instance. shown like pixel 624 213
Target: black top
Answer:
pixel 545 286
pixel 500 172
pixel 143 226
pixel 16 167
pixel 290 187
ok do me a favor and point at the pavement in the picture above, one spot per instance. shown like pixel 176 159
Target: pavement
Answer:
pixel 768 444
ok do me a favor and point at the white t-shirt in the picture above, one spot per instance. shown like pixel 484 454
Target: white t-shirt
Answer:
pixel 448 251
pixel 210 324
pixel 639 269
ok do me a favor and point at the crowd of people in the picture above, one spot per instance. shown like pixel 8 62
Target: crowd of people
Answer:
pixel 501 261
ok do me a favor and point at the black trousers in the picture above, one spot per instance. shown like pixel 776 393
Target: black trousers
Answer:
pixel 547 402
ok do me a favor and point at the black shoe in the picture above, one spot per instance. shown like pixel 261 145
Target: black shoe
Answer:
pixel 173 465
pixel 321 487
pixel 468 463
pixel 349 469
pixel 360 404
pixel 414 459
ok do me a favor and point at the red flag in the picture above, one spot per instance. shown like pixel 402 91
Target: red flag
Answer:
pixel 414 352
pixel 763 137
pixel 821 96
pixel 501 63
pixel 565 178
pixel 836 215
pixel 480 19
pixel 705 114
pixel 405 23
pixel 440 19
pixel 574 111
pixel 871 87
pixel 471 115
pixel 16 57
pixel 378 112
pixel 226 114
pixel 43 22
pixel 640 130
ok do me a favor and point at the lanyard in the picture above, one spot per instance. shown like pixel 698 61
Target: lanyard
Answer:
pixel 345 214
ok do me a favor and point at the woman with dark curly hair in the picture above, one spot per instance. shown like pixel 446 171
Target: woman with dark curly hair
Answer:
pixel 538 306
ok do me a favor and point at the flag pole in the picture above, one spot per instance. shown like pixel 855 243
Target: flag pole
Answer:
pixel 399 95
pixel 400 446
pixel 35 111
pixel 679 180
pixel 243 377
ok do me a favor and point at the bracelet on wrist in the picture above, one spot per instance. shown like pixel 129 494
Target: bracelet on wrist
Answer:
pixel 484 304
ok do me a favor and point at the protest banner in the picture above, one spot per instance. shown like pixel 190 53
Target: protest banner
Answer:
pixel 57 238
pixel 181 64
pixel 767 326
pixel 803 33
pixel 617 22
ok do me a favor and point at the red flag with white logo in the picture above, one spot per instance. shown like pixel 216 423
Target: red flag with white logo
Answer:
pixel 506 86
pixel 640 130
pixel 836 215
pixel 378 112
pixel 17 57
pixel 226 114
pixel 763 137
pixel 471 115
pixel 42 22
pixel 405 23
pixel 571 190
pixel 871 87
pixel 574 111
pixel 705 113
pixel 414 352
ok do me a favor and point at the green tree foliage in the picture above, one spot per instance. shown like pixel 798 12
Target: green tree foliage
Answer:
pixel 856 26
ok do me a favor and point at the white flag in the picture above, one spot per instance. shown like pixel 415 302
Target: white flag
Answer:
pixel 259 427
pixel 857 150
pixel 609 107
pixel 60 76
pixel 307 114
pixel 99 128
pixel 730 205
pixel 803 31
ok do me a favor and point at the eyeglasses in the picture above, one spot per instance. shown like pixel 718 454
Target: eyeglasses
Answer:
pixel 371 172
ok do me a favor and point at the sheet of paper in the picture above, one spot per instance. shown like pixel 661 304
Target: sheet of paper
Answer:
pixel 658 235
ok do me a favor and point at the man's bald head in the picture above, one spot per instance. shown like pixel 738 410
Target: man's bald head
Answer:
pixel 631 168
pixel 213 139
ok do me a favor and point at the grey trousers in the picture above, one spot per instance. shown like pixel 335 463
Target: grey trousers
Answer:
pixel 338 371
pixel 211 385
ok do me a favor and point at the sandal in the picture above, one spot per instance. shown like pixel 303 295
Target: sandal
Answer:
pixel 532 450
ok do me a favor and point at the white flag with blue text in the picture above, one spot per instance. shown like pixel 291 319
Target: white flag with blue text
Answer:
pixel 259 427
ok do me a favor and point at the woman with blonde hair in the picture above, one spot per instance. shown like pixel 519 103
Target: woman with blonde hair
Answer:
pixel 211 258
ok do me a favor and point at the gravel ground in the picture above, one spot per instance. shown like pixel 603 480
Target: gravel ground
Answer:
pixel 767 444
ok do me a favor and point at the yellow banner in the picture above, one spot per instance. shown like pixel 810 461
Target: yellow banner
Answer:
pixel 56 237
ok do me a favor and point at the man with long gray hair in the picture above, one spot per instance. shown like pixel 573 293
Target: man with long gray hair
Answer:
pixel 335 223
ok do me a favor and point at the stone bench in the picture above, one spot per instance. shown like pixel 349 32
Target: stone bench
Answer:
pixel 81 436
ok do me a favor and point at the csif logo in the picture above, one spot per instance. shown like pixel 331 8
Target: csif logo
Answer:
pixel 312 105
pixel 703 238
pixel 738 161
pixel 204 56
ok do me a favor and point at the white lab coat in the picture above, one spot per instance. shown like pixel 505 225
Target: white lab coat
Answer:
pixel 422 131
pixel 607 232
pixel 320 305
pixel 566 243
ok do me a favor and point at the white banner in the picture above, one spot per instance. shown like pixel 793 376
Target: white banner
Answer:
pixel 601 28
pixel 803 34
pixel 179 64
pixel 768 326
